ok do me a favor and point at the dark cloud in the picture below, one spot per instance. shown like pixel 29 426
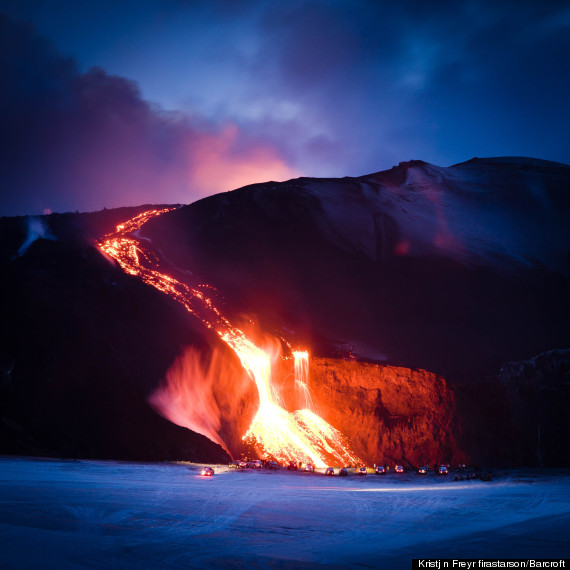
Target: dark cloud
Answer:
pixel 404 67
pixel 72 140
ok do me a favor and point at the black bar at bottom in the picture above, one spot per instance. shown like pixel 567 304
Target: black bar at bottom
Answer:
pixel 480 564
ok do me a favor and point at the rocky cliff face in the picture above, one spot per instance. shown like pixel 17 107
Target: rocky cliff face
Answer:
pixel 519 415
pixel 390 414
pixel 396 414
pixel 537 400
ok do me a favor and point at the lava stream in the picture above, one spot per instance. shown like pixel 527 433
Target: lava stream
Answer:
pixel 301 436
pixel 302 379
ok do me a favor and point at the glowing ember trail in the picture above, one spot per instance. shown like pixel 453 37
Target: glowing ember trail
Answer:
pixel 301 436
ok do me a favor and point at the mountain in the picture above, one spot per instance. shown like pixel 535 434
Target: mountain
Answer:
pixel 454 270
pixel 411 288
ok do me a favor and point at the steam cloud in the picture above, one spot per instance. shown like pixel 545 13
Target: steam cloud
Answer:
pixel 187 397
pixel 84 141
pixel 213 396
pixel 36 229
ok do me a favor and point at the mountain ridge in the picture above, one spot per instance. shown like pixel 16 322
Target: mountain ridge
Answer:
pixel 407 259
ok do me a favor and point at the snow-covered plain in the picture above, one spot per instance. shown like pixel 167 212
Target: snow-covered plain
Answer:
pixel 76 514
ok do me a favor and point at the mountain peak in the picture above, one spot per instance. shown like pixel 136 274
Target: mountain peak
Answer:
pixel 411 163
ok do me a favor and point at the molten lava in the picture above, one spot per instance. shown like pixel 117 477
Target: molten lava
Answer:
pixel 300 436
pixel 302 379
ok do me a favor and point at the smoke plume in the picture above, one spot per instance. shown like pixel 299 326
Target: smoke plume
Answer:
pixel 36 229
pixel 83 141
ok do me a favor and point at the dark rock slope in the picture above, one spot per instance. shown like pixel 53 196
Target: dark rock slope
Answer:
pixel 82 347
pixel 520 414
pixel 453 270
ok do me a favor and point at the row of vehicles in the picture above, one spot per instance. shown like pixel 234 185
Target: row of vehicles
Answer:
pixel 383 469
pixel 343 471
pixel 440 470
pixel 310 468
pixel 463 474
pixel 307 468
pixel 254 464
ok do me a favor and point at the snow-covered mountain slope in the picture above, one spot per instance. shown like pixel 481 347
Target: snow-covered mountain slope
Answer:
pixel 450 269
pixel 505 213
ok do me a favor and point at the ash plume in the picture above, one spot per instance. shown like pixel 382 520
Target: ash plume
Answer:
pixel 73 140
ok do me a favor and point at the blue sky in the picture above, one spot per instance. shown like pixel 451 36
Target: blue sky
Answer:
pixel 190 98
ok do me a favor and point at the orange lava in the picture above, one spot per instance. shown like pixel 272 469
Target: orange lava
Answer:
pixel 300 436
pixel 302 379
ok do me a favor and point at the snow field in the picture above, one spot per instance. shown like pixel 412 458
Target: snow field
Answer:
pixel 77 514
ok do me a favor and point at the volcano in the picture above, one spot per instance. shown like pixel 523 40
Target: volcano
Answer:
pixel 410 288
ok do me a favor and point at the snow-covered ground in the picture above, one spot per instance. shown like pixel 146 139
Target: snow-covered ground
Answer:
pixel 75 514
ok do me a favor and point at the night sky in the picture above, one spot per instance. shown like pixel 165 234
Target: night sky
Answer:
pixel 106 103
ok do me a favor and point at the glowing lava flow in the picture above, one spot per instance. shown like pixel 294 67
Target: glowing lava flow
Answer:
pixel 302 379
pixel 274 432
